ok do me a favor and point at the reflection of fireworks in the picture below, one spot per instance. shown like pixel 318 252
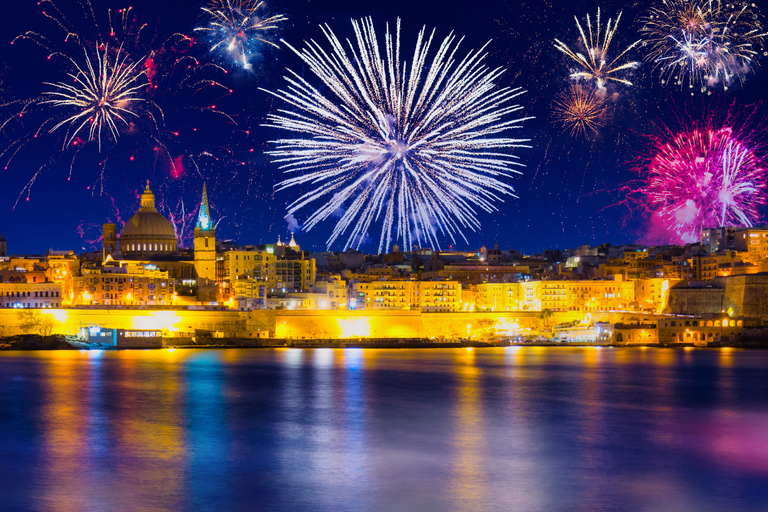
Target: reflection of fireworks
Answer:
pixel 703 43
pixel 236 28
pixel 580 110
pixel 416 147
pixel 595 65
pixel 704 178
pixel 102 95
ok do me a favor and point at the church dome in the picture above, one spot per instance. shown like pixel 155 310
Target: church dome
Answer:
pixel 148 233
pixel 147 224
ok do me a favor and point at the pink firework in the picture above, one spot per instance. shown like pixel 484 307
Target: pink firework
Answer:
pixel 704 178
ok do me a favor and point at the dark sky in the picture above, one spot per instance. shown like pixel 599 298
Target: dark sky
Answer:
pixel 570 191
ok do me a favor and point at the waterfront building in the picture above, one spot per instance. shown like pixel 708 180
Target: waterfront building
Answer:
pixel 439 296
pixel 27 295
pixel 63 267
pixel 295 274
pixel 385 295
pixel 334 293
pixel 427 296
pixel 125 283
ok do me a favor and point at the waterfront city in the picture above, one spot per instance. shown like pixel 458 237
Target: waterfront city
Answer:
pixel 146 289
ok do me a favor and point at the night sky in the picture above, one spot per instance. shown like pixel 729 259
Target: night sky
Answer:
pixel 572 190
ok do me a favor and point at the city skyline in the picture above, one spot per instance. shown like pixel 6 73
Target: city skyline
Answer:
pixel 573 191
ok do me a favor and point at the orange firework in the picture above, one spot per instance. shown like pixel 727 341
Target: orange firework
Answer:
pixel 580 110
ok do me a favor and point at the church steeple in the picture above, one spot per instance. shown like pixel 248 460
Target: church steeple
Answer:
pixel 204 216
pixel 205 252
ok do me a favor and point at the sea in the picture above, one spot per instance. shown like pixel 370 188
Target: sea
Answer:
pixel 466 429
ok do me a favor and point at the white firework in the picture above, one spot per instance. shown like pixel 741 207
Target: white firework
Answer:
pixel 102 96
pixel 419 147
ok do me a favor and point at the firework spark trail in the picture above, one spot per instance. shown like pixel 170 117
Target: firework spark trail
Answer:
pixel 596 65
pixel 419 148
pixel 235 27
pixel 580 109
pixel 139 95
pixel 102 95
pixel 704 178
pixel 703 43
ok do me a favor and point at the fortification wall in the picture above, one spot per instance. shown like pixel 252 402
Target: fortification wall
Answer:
pixel 299 324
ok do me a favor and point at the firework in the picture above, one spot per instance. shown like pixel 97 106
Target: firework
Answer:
pixel 580 110
pixel 594 63
pixel 141 97
pixel 704 178
pixel 236 28
pixel 702 44
pixel 102 96
pixel 419 148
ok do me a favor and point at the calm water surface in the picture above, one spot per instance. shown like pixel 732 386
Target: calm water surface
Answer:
pixel 539 429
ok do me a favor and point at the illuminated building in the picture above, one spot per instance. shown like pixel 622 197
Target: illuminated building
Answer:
pixel 63 267
pixel 592 296
pixel 433 296
pixel 244 276
pixel 205 243
pixel 126 284
pixel 652 294
pixel 334 293
pixel 247 263
pixel 700 331
pixel 387 295
pixel 754 242
pixel 439 296
pixel 500 296
pixel 145 235
pixel 295 274
pixel 531 295
pixel 30 295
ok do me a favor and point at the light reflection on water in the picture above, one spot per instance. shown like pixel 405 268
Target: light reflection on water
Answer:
pixel 517 428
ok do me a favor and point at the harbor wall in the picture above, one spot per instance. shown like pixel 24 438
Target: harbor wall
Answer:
pixel 294 324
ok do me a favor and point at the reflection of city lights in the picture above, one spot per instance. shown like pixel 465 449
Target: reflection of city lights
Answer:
pixel 323 357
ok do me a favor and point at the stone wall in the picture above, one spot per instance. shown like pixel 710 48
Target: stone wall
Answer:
pixel 747 295
pixel 686 300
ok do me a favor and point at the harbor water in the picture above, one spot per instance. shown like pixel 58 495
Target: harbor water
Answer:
pixel 514 428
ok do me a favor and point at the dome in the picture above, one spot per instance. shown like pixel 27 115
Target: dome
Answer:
pixel 147 232
pixel 147 224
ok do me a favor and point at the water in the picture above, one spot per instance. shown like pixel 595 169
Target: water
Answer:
pixel 524 429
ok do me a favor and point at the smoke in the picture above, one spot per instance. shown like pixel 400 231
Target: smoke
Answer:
pixel 292 224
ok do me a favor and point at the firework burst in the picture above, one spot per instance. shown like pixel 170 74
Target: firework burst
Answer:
pixel 704 178
pixel 236 28
pixel 103 95
pixel 419 148
pixel 144 100
pixel 594 63
pixel 581 110
pixel 703 44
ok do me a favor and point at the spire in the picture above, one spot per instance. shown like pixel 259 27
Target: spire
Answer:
pixel 279 243
pixel 204 216
pixel 292 243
